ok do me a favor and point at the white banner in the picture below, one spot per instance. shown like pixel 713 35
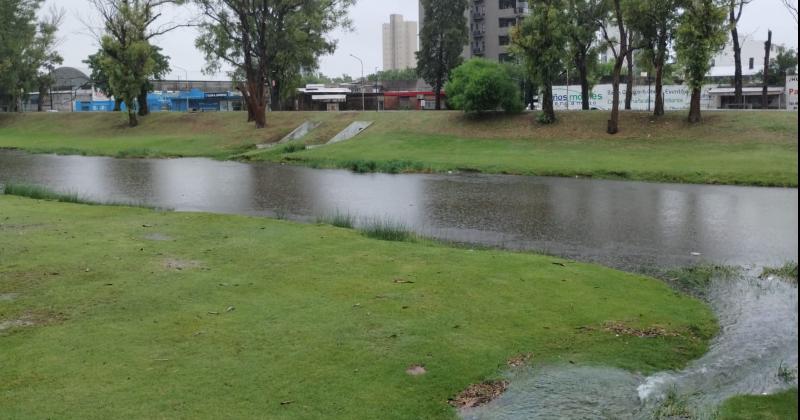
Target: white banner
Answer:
pixel 791 93
pixel 676 97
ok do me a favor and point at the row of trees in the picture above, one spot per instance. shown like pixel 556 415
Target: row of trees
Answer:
pixel 27 50
pixel 643 32
pixel 268 45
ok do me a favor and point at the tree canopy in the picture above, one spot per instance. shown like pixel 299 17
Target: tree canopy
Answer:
pixel 442 40
pixel 268 43
pixel 480 85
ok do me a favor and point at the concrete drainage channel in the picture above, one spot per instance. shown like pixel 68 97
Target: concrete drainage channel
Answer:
pixel 307 127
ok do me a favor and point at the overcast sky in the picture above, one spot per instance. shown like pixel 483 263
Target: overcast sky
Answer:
pixel 364 41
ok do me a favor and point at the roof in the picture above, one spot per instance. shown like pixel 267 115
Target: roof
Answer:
pixel 745 90
pixel 329 98
pixel 69 78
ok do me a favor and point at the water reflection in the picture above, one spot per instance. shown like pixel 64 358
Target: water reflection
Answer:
pixel 621 224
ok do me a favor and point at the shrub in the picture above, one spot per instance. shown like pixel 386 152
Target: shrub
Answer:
pixel 481 85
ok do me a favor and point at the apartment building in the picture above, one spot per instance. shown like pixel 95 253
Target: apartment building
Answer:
pixel 490 23
pixel 399 44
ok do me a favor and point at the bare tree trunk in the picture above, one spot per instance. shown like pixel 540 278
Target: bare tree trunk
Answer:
pixel 42 92
pixel 547 103
pixel 584 75
pixel 132 120
pixel 438 93
pixel 144 109
pixel 629 85
pixel 694 106
pixel 659 105
pixel 767 48
pixel 733 20
pixel 117 105
pixel 737 62
pixel 613 123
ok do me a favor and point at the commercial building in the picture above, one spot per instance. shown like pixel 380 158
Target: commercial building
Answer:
pixel 490 23
pixel 399 44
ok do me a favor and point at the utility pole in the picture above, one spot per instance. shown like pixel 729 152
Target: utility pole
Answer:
pixel 363 101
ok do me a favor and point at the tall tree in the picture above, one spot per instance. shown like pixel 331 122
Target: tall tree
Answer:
pixel 442 40
pixel 129 23
pixel 583 17
pixel 629 79
pixel 735 8
pixel 265 41
pixel 765 78
pixel 791 6
pixel 701 33
pixel 27 50
pixel 620 50
pixel 540 39
pixel 656 22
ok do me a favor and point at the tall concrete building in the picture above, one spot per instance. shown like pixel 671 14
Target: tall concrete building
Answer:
pixel 399 44
pixel 490 23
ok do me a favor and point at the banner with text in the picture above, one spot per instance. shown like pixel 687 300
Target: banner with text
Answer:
pixel 676 97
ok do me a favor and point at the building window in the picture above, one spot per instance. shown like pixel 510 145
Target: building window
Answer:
pixel 713 63
pixel 504 58
pixel 752 63
pixel 507 22
pixel 508 4
pixel 504 40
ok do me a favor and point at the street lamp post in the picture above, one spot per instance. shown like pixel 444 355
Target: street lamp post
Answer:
pixel 363 101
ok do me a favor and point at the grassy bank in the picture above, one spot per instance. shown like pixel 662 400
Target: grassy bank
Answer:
pixel 781 406
pixel 124 312
pixel 748 148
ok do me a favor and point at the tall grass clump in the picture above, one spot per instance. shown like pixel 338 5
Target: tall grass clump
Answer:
pixel 39 192
pixel 696 279
pixel 338 219
pixel 294 147
pixel 385 230
pixel 787 271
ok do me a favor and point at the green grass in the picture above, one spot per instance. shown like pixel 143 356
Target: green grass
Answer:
pixel 40 193
pixel 782 406
pixel 385 230
pixel 746 148
pixel 338 219
pixel 130 313
pixel 787 271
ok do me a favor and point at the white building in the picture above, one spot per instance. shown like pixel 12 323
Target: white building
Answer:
pixel 399 44
pixel 723 64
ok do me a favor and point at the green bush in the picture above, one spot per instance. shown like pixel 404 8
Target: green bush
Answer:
pixel 481 85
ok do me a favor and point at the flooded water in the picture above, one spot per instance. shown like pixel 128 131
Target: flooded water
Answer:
pixel 628 225
pixel 620 224
pixel 758 322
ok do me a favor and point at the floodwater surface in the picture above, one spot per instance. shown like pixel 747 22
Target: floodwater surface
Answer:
pixel 617 223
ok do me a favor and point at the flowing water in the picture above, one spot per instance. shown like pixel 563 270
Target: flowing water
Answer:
pixel 628 225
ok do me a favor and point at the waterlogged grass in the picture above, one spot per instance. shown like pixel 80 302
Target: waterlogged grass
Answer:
pixel 787 271
pixel 339 219
pixel 782 406
pixel 167 315
pixel 747 148
pixel 39 192
pixel 696 279
pixel 385 229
